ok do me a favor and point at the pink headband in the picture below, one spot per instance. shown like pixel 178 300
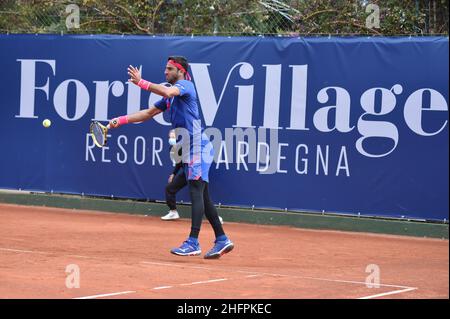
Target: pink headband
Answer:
pixel 180 67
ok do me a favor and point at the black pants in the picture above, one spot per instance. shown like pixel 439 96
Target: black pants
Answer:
pixel 178 182
pixel 203 205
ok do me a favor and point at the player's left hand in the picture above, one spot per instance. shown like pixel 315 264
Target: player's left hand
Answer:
pixel 135 74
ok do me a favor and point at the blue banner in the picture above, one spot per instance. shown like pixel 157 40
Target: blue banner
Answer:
pixel 345 125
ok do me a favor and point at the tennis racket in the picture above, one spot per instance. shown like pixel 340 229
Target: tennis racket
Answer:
pixel 99 133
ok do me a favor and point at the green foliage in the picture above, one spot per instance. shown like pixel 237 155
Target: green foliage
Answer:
pixel 228 17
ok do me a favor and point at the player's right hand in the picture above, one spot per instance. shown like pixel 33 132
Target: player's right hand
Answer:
pixel 114 123
pixel 170 178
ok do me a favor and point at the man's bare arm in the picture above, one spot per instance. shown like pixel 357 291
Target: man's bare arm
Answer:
pixel 144 115
pixel 141 116
pixel 135 77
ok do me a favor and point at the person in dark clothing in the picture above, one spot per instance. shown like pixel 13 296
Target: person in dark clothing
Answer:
pixel 177 180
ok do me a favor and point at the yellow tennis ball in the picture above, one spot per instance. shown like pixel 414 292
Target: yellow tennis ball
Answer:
pixel 46 123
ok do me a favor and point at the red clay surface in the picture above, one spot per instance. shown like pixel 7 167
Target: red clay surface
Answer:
pixel 127 256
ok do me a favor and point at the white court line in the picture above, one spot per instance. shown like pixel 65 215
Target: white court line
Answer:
pixel 337 280
pixel 176 265
pixel 155 288
pixel 214 269
pixel 21 251
pixel 162 287
pixel 107 295
pixel 43 253
pixel 24 251
pixel 388 293
pixel 253 274
pixel 78 256
pixel 204 282
pixel 274 274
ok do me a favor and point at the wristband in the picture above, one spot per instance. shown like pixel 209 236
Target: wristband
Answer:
pixel 123 119
pixel 143 84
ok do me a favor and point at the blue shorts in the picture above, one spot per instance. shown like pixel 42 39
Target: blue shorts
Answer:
pixel 199 163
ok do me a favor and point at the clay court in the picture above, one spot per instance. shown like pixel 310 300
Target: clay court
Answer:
pixel 127 256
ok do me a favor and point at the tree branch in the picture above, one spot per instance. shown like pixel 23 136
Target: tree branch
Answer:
pixel 135 22
pixel 154 14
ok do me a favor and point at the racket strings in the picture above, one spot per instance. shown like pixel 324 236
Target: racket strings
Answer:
pixel 98 133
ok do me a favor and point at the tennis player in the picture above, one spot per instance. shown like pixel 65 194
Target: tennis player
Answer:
pixel 181 102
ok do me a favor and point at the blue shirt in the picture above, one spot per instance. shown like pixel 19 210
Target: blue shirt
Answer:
pixel 184 113
pixel 183 108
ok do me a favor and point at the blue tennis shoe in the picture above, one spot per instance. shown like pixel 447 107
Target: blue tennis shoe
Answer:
pixel 188 248
pixel 220 248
